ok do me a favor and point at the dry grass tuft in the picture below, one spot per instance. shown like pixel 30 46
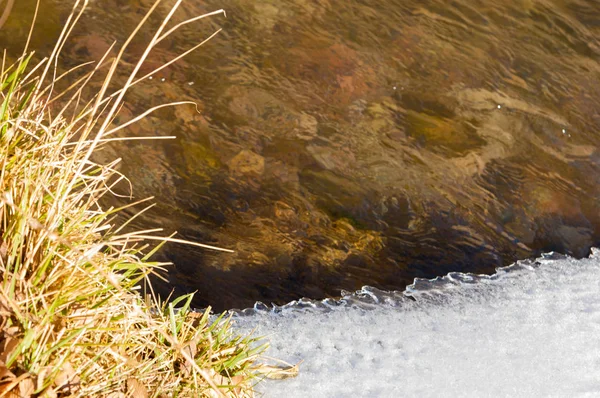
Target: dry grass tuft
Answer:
pixel 71 320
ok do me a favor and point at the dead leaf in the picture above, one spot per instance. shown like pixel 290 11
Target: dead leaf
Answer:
pixel 191 349
pixel 5 387
pixel 278 372
pixel 5 374
pixel 49 393
pixel 136 389
pixel 7 348
pixel 41 377
pixel 210 376
pixel 116 395
pixel 13 393
pixel 11 331
pixel 196 317
pixel 12 389
pixel 3 253
pixel 218 379
pixel 5 311
pixel 238 382
pixel 67 378
pixel 26 387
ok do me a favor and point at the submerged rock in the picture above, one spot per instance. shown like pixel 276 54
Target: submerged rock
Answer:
pixel 247 162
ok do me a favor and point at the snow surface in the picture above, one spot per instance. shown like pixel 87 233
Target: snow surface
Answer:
pixel 530 330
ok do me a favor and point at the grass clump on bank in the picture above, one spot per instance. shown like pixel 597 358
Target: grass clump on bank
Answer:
pixel 72 321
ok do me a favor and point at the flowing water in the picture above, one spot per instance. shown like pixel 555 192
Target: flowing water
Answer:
pixel 364 142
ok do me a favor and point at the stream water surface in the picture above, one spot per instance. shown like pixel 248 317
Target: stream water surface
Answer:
pixel 358 142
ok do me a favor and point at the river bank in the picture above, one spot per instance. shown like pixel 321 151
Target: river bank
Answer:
pixel 78 317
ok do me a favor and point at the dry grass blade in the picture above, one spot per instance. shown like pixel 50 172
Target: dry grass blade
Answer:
pixel 146 113
pixel 7 9
pixel 174 240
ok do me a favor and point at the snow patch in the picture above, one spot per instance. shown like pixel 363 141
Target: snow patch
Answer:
pixel 530 330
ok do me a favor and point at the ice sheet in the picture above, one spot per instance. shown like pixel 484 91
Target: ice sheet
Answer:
pixel 530 330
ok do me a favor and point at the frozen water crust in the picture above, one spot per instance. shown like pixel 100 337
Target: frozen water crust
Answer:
pixel 530 330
